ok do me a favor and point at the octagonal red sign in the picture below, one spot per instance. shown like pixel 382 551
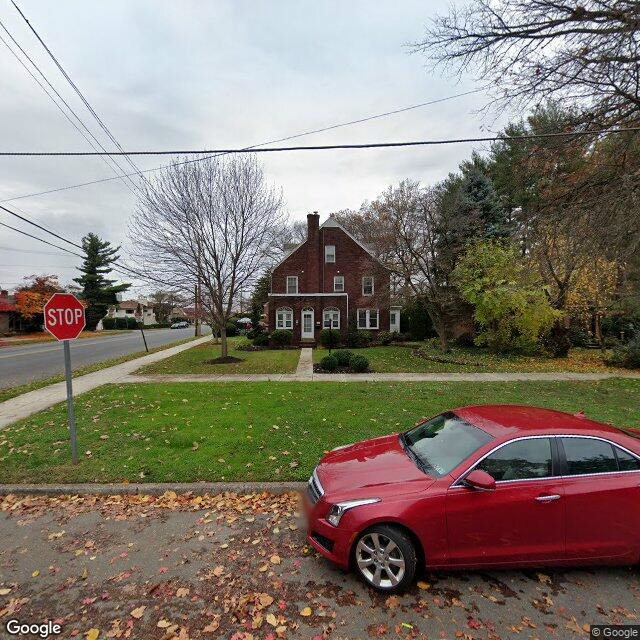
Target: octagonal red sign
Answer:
pixel 64 316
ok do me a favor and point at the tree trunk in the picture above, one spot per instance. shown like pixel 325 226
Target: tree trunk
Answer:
pixel 224 349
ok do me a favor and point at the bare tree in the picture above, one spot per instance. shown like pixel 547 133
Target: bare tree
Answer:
pixel 211 222
pixel 585 53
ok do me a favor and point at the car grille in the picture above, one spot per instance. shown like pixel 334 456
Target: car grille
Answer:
pixel 314 488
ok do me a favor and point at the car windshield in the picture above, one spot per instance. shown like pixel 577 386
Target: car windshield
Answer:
pixel 439 445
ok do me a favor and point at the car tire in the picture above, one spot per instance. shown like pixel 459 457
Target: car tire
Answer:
pixel 385 558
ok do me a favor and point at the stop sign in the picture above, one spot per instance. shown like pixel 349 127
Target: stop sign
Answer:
pixel 64 316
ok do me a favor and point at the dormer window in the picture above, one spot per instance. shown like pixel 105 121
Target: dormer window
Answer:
pixel 367 286
pixel 330 253
pixel 292 284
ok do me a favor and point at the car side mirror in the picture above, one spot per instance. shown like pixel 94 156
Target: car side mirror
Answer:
pixel 481 480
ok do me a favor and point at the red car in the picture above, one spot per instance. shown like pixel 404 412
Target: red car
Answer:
pixel 485 486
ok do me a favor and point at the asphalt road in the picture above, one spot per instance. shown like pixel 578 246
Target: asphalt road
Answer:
pixel 23 364
pixel 222 567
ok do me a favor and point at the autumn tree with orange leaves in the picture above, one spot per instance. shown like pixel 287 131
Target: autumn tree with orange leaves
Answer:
pixel 33 295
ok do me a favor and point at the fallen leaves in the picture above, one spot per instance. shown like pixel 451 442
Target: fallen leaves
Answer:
pixel 138 612
pixel 306 612
pixel 93 634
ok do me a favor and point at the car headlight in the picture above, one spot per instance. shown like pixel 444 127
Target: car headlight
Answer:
pixel 339 509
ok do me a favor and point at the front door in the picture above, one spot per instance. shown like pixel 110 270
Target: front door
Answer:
pixel 307 324
pixel 522 521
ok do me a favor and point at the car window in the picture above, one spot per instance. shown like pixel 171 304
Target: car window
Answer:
pixel 442 443
pixel 585 455
pixel 627 462
pixel 519 460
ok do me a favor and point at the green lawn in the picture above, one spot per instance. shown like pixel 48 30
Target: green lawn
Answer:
pixel 195 361
pixel 12 392
pixel 420 358
pixel 258 431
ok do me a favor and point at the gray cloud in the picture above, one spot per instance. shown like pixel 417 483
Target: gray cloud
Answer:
pixel 190 74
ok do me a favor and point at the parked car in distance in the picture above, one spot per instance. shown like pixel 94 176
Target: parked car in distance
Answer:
pixel 180 325
pixel 476 487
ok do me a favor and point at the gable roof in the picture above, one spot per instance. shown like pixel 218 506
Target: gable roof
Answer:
pixel 331 222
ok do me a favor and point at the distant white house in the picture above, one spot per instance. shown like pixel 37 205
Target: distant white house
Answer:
pixel 141 310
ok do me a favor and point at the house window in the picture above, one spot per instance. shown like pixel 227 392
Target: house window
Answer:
pixel 284 318
pixel 338 283
pixel 331 318
pixel 329 253
pixel 367 318
pixel 367 286
pixel 292 284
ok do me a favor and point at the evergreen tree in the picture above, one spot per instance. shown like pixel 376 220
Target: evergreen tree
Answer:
pixel 98 292
pixel 262 289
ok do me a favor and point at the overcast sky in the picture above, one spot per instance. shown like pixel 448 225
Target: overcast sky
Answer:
pixel 167 75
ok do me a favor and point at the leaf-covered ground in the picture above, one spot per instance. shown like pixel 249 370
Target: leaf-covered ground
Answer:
pixel 259 431
pixel 419 357
pixel 196 361
pixel 196 567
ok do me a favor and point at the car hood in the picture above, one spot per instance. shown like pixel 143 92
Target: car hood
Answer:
pixel 376 463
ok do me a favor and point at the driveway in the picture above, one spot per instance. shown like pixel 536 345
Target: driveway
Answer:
pixel 26 363
pixel 237 567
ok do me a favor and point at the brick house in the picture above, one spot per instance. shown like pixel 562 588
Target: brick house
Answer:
pixel 9 317
pixel 326 281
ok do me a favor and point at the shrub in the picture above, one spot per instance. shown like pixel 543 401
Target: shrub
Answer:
pixel 329 363
pixel 416 321
pixel 232 329
pixel 281 337
pixel 132 323
pixel 261 340
pixel 343 357
pixel 359 364
pixel 120 323
pixel 108 323
pixel 627 355
pixel 329 338
pixel 385 337
pixel 358 339
pixel 244 344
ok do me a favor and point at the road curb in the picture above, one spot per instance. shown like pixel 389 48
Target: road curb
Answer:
pixel 154 489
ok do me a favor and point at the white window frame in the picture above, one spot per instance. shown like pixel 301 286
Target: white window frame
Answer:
pixel 287 319
pixel 368 319
pixel 335 288
pixel 333 323
pixel 291 278
pixel 364 293
pixel 330 252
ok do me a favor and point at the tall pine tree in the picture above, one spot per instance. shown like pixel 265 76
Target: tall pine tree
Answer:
pixel 98 292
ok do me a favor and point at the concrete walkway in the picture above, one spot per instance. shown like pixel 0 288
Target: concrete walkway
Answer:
pixel 34 401
pixel 305 364
pixel 380 377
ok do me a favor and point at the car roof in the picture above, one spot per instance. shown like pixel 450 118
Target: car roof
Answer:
pixel 507 420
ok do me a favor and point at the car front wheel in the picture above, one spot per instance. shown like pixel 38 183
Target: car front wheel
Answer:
pixel 386 558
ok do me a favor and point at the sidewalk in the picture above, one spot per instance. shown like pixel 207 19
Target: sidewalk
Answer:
pixel 378 377
pixel 305 364
pixel 29 403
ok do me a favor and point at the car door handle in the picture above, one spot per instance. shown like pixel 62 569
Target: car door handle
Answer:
pixel 551 498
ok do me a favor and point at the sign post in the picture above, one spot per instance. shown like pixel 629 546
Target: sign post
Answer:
pixel 64 319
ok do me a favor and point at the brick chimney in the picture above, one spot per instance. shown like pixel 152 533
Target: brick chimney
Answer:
pixel 313 252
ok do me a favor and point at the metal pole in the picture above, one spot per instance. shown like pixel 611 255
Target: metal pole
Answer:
pixel 70 410
pixel 145 340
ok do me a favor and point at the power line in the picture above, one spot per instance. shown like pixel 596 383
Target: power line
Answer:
pixel 103 126
pixel 29 235
pixel 255 146
pixel 326 147
pixel 119 171
pixel 119 268
pixel 39 226
pixel 44 253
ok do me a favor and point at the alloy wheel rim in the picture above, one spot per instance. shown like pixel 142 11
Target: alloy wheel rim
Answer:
pixel 380 560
